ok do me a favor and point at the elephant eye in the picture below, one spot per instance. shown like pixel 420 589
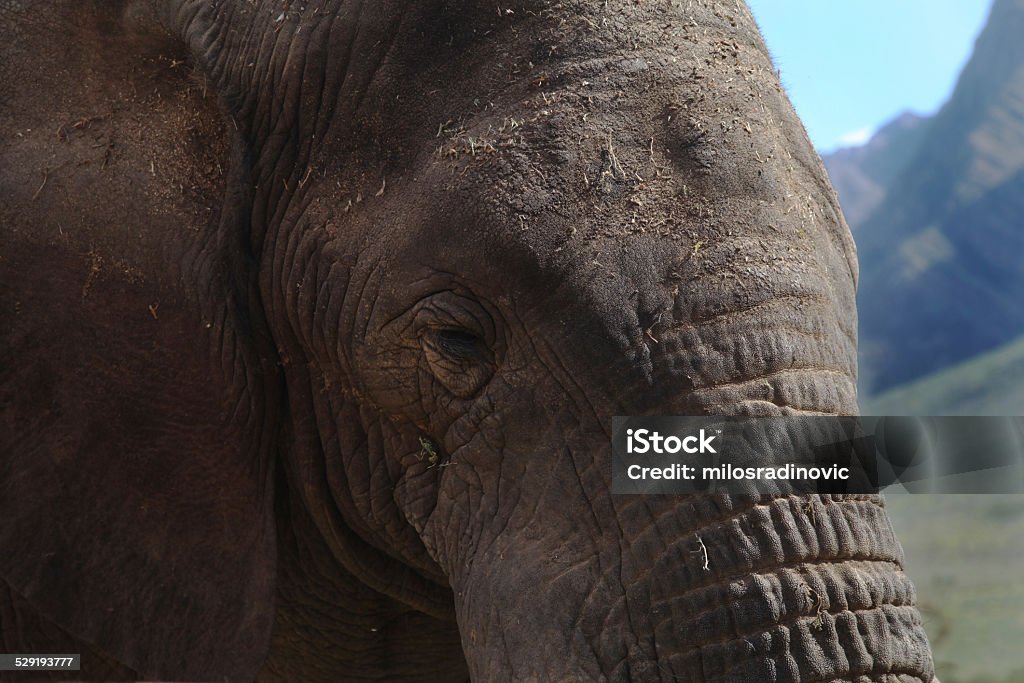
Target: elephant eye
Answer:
pixel 459 344
pixel 460 359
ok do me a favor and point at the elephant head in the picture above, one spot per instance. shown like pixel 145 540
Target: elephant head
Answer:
pixel 317 317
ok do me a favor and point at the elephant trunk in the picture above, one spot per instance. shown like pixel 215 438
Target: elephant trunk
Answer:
pixel 703 588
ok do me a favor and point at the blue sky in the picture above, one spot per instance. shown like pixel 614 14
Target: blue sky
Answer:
pixel 851 65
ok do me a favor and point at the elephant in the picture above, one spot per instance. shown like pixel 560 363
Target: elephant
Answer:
pixel 316 316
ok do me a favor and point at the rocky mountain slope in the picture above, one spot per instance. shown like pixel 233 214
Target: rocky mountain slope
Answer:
pixel 862 174
pixel 937 209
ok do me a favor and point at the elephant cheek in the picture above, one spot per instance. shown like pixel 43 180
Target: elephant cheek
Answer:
pixel 692 589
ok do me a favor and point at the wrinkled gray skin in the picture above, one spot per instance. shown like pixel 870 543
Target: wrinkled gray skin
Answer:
pixel 314 319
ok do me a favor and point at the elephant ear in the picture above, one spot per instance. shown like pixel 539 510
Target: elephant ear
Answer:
pixel 136 380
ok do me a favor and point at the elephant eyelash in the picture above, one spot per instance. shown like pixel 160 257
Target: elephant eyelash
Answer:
pixel 461 360
pixel 458 344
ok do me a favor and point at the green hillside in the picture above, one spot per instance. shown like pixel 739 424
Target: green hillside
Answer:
pixel 964 554
pixel 988 384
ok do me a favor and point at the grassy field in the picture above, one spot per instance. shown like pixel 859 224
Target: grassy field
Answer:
pixel 965 554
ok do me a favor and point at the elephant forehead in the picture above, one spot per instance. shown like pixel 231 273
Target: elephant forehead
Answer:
pixel 557 186
pixel 655 79
pixel 543 133
pixel 640 245
pixel 609 169
pixel 662 155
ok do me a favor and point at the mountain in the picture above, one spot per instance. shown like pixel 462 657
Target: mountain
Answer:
pixel 861 174
pixel 942 247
